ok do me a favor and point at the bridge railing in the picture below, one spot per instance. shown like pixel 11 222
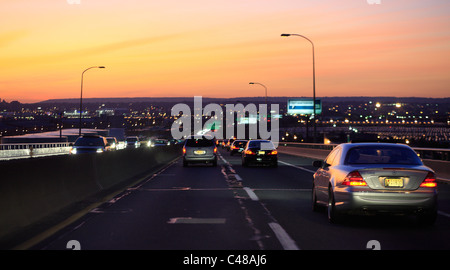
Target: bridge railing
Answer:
pixel 23 150
pixel 424 153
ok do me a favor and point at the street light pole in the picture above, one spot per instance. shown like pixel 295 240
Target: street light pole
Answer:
pixel 262 86
pixel 81 95
pixel 314 79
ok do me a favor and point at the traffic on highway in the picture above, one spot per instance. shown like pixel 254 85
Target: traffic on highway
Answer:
pixel 226 133
pixel 210 198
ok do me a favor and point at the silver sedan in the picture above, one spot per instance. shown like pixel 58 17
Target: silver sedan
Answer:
pixel 359 178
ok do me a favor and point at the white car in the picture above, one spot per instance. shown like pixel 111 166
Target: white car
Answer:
pixel 358 178
pixel 132 142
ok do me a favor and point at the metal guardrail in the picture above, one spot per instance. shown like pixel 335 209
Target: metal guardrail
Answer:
pixel 424 153
pixel 24 150
pixel 18 146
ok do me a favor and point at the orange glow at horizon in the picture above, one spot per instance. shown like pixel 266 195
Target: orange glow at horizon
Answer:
pixel 214 48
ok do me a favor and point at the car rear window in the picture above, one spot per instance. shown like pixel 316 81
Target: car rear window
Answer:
pixel 89 142
pixel 382 155
pixel 200 142
pixel 240 143
pixel 263 145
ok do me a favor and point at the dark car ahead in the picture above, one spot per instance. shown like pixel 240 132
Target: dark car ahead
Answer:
pixel 229 143
pixel 237 147
pixel 260 152
pixel 90 144
pixel 199 149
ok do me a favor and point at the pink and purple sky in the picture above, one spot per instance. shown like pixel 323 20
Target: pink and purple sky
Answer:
pixel 214 48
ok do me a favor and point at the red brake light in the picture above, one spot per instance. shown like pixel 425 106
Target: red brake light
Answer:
pixel 215 150
pixel 184 150
pixel 249 152
pixel 429 181
pixel 274 152
pixel 354 179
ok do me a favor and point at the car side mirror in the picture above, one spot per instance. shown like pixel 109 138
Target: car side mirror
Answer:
pixel 317 163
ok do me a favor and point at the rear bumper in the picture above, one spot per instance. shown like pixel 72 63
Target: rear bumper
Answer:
pixel 417 201
pixel 206 158
pixel 261 159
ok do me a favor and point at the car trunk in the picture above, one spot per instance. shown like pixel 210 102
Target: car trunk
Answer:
pixel 391 178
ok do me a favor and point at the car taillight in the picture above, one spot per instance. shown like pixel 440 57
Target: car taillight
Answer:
pixel 184 150
pixel 354 179
pixel 273 152
pixel 429 181
pixel 249 152
pixel 235 147
pixel 215 150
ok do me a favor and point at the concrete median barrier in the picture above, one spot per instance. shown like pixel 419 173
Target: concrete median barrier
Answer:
pixel 31 189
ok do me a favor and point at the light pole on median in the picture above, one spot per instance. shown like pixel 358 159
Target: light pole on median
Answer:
pixel 314 79
pixel 81 96
pixel 262 86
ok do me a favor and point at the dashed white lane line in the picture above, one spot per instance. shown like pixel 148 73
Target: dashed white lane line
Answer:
pixel 251 194
pixel 282 236
pixel 297 167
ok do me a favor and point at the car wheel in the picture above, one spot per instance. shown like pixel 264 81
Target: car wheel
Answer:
pixel 333 215
pixel 427 219
pixel 275 164
pixel 185 163
pixel 215 163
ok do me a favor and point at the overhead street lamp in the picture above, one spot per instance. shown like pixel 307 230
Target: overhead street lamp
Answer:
pixel 262 86
pixel 81 96
pixel 314 79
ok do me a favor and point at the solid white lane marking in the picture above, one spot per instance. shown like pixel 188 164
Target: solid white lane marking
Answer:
pixel 251 194
pixel 238 177
pixel 282 236
pixel 297 167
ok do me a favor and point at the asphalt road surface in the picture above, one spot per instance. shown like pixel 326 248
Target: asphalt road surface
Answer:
pixel 230 207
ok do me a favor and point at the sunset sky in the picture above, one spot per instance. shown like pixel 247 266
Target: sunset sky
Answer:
pixel 214 48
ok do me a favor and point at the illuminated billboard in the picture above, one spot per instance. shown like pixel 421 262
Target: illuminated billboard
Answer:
pixel 303 106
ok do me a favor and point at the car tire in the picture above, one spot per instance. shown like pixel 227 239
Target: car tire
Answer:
pixel 427 219
pixel 185 163
pixel 215 163
pixel 333 215
pixel 275 164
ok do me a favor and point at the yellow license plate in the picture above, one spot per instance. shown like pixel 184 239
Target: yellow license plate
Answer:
pixel 261 152
pixel 199 152
pixel 393 182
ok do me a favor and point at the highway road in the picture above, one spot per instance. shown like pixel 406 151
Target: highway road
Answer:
pixel 230 207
